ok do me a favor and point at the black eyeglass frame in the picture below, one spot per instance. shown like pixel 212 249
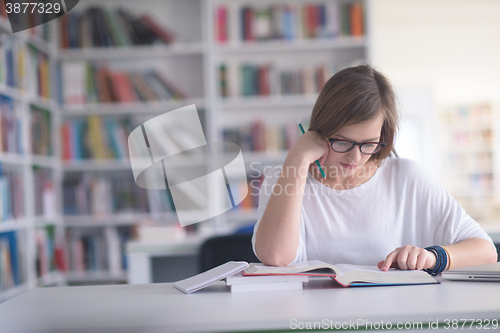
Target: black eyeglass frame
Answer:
pixel 332 141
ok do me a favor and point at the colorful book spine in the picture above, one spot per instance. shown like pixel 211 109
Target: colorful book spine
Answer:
pixel 261 137
pixel 103 27
pixel 10 126
pixel 87 83
pixel 41 129
pixel 11 194
pixel 114 193
pixel 293 21
pixel 95 138
pixel 267 80
pixel 12 272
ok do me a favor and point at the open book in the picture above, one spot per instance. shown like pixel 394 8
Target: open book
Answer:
pixel 345 274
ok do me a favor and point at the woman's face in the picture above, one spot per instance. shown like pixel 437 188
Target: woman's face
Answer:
pixel 349 164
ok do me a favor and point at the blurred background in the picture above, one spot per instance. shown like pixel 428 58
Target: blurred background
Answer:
pixel 71 91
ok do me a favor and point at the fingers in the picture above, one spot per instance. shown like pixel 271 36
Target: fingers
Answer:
pixel 408 258
pixel 390 259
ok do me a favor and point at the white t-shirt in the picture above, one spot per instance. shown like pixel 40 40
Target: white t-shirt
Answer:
pixel 401 204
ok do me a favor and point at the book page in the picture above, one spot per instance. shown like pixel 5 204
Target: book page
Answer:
pixel 372 274
pixel 301 267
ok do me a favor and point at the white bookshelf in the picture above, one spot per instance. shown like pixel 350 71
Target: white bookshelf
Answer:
pixel 26 226
pixel 193 61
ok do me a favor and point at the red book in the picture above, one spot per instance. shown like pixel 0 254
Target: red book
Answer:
pixel 312 21
pixel 356 14
pixel 60 259
pixel 65 142
pixel 161 32
pixel 222 24
pixel 249 21
pixel 264 83
pixel 120 87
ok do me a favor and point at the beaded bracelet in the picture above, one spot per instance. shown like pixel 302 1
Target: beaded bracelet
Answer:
pixel 450 260
pixel 441 260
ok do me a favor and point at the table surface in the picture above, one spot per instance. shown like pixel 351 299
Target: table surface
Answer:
pixel 161 308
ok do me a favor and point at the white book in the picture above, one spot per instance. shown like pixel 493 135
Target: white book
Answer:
pixel 266 287
pixel 209 277
pixel 239 279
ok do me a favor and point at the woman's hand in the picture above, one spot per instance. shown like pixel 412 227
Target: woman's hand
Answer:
pixel 408 257
pixel 311 147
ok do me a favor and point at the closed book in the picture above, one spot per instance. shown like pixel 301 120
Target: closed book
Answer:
pixel 266 287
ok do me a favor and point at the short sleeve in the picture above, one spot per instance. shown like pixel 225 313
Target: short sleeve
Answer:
pixel 446 219
pixel 271 177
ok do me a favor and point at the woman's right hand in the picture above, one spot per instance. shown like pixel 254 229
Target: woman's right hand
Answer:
pixel 311 147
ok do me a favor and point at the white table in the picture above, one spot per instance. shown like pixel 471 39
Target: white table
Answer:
pixel 161 308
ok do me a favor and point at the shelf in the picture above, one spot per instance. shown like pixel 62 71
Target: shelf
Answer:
pixel 96 165
pixel 121 165
pixel 42 103
pixel 44 161
pixel 270 102
pixel 139 108
pixel 11 158
pixel 291 46
pixel 265 157
pixel 117 219
pixel 95 276
pixel 132 52
pixel 42 221
pixel 11 92
pixel 13 292
pixel 13 224
pixel 54 277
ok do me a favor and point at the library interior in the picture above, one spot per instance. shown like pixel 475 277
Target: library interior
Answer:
pixel 76 89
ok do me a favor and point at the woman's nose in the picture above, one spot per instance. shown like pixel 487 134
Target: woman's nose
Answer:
pixel 355 155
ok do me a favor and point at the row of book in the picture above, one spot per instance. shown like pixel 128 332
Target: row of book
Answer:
pixel 12 62
pixel 95 138
pixel 86 82
pixel 472 117
pixel 12 254
pixel 41 69
pixel 10 127
pixel 252 185
pixel 41 131
pixel 11 194
pixel 289 21
pixel 45 198
pixel 50 253
pixel 482 139
pixel 266 80
pixel 259 136
pixel 105 27
pixel 115 193
pixel 98 250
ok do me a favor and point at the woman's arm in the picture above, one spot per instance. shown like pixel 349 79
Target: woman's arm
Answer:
pixel 469 252
pixel 277 236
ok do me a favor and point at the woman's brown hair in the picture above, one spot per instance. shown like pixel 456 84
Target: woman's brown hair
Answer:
pixel 352 96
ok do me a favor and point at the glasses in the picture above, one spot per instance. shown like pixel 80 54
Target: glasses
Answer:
pixel 367 148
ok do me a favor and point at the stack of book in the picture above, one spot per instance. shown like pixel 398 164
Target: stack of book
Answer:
pixel 10 126
pixel 50 254
pixel 41 129
pixel 45 197
pixel 239 283
pixel 11 195
pixel 12 62
pixel 12 265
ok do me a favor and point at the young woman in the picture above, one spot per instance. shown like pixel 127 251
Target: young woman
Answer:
pixel 372 208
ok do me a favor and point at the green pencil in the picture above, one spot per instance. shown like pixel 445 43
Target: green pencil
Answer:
pixel 317 162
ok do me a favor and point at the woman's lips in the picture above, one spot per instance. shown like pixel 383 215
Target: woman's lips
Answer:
pixel 349 166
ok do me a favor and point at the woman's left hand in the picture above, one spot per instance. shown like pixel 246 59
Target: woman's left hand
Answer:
pixel 408 257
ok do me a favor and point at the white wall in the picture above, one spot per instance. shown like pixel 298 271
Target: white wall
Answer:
pixel 453 46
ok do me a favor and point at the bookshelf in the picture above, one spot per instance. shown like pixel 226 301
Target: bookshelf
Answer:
pixel 263 82
pixel 66 186
pixel 31 229
pixel 470 158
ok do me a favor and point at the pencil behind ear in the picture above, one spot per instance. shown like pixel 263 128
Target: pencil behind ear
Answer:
pixel 394 152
